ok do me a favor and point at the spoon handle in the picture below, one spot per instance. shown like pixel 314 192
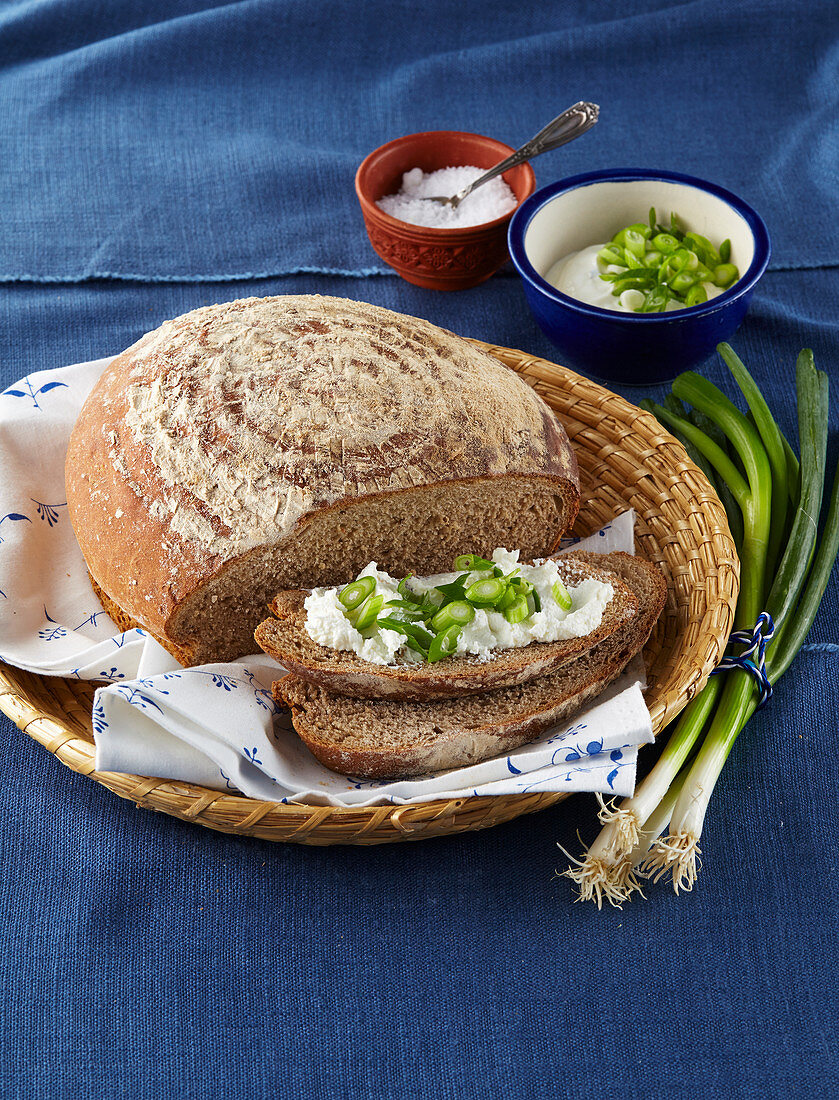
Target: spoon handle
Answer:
pixel 559 131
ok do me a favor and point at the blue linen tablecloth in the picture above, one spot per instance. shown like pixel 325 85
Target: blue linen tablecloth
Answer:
pixel 160 156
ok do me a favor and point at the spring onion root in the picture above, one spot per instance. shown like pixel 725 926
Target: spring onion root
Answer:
pixel 613 869
pixel 622 822
pixel 601 876
pixel 676 855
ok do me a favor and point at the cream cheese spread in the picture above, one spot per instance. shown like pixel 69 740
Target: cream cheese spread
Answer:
pixel 488 632
pixel 578 276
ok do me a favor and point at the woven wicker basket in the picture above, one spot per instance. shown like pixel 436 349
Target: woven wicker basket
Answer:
pixel 626 460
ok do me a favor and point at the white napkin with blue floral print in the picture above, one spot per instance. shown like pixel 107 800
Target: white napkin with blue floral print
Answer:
pixel 217 725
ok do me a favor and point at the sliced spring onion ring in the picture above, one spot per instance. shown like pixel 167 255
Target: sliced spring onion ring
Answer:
pixel 520 586
pixel 406 593
pixel 356 592
pixel 444 644
pixel 696 295
pixel 456 613
pixel 632 239
pixel 562 596
pixel 665 243
pixel 611 254
pixel 487 592
pixel 682 282
pixel 509 597
pixel 472 563
pixel 366 615
pixel 725 274
pixel 518 611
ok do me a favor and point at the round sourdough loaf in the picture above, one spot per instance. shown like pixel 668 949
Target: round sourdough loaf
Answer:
pixel 285 442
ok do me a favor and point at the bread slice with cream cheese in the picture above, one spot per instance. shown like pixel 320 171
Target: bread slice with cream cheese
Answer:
pixel 393 739
pixel 287 641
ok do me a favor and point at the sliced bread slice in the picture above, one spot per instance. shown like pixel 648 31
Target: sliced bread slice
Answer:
pixel 286 640
pixel 386 739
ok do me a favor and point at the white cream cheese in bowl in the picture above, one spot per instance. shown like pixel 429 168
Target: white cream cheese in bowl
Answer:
pixel 484 636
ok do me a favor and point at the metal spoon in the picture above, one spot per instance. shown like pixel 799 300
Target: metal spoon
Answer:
pixel 564 128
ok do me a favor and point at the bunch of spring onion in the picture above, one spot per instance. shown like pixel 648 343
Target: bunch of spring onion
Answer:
pixel 773 503
pixel 665 265
pixel 431 622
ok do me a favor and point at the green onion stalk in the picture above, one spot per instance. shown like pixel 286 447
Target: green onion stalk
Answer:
pixel 774 503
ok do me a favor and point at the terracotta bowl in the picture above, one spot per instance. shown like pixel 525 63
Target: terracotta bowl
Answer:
pixel 441 259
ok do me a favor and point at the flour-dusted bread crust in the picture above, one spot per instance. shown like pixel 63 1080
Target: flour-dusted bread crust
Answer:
pixel 287 641
pixel 394 739
pixel 285 442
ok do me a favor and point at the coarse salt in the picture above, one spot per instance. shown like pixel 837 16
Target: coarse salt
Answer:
pixel 410 203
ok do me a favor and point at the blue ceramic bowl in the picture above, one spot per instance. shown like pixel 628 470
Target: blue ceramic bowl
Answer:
pixel 633 348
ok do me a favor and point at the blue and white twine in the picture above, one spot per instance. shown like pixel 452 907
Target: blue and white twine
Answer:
pixel 752 659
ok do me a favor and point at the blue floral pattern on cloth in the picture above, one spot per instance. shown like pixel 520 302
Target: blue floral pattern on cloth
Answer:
pixel 48 512
pixel 136 698
pixel 14 517
pixel 49 634
pixel 263 697
pixel 26 389
pixel 99 722
pixel 226 683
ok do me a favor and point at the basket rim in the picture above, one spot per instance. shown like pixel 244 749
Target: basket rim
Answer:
pixel 376 824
